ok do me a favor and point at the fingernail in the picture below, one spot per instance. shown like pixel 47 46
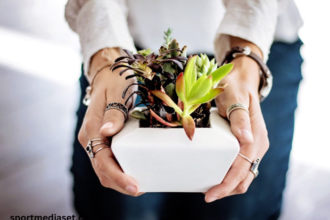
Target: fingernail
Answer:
pixel 132 190
pixel 212 199
pixel 107 125
pixel 247 134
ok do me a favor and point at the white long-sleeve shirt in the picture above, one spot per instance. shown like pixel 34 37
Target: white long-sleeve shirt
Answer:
pixel 202 25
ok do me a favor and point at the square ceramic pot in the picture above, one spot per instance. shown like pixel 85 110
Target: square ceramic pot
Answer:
pixel 165 160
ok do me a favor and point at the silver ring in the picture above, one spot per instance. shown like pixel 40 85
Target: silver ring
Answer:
pixel 101 148
pixel 246 158
pixel 254 165
pixel 118 106
pixel 91 145
pixel 234 107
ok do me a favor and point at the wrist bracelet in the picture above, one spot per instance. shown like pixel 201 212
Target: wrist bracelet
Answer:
pixel 266 78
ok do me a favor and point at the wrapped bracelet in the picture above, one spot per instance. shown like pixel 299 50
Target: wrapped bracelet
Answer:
pixel 266 78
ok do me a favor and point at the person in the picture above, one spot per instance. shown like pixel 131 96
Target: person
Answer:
pixel 269 28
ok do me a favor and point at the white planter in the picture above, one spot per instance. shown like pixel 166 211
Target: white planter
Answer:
pixel 165 160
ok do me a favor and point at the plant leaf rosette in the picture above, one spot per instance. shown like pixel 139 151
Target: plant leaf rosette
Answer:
pixel 176 92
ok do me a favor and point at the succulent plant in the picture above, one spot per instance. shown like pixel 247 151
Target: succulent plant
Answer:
pixel 171 86
pixel 193 92
pixel 205 66
pixel 147 66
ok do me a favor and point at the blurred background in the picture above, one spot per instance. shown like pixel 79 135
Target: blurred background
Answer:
pixel 39 68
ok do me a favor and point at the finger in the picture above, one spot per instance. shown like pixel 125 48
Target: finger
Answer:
pixel 244 185
pixel 110 184
pixel 113 122
pixel 105 164
pixel 93 119
pixel 241 127
pixel 237 173
pixel 114 119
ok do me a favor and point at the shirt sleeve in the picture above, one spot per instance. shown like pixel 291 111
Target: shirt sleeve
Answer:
pixel 99 24
pixel 252 20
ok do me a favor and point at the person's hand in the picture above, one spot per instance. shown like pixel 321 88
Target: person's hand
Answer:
pixel 107 87
pixel 250 130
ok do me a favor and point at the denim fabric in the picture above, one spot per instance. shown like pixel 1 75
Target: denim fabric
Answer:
pixel 264 197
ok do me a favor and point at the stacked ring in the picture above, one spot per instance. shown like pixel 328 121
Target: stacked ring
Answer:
pixel 91 145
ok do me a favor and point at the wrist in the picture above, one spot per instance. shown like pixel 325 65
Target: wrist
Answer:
pixel 246 70
pixel 102 58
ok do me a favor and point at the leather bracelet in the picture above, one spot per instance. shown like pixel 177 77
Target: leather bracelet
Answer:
pixel 266 78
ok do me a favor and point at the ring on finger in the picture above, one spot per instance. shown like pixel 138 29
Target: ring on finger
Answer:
pixel 254 165
pixel 101 148
pixel 234 107
pixel 118 106
pixel 91 145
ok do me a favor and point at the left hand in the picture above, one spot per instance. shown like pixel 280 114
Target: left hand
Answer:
pixel 249 129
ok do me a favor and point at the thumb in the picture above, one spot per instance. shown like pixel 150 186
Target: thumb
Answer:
pixel 113 122
pixel 241 126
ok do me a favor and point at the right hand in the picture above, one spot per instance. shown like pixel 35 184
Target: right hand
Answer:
pixel 107 87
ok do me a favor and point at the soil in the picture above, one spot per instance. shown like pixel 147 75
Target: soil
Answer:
pixel 201 117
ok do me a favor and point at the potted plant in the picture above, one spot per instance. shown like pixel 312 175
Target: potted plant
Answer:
pixel 176 92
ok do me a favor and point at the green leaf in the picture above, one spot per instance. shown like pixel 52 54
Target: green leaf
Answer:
pixel 193 108
pixel 174 45
pixel 190 74
pixel 165 98
pixel 145 52
pixel 168 68
pixel 170 90
pixel 221 72
pixel 209 96
pixel 184 51
pixel 138 115
pixel 179 86
pixel 200 88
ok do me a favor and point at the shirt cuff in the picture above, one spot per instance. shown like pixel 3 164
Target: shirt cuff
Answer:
pixel 252 22
pixel 102 24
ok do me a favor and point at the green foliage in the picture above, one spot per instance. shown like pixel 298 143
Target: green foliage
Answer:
pixel 138 115
pixel 168 38
pixel 204 65
pixel 174 45
pixel 178 93
pixel 169 67
pixel 145 52
pixel 170 90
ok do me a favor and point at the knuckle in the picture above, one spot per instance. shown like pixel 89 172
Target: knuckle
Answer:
pixel 81 137
pixel 99 165
pixel 265 140
pixel 89 124
pixel 243 174
pixel 244 122
pixel 117 180
pixel 242 188
pixel 103 181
